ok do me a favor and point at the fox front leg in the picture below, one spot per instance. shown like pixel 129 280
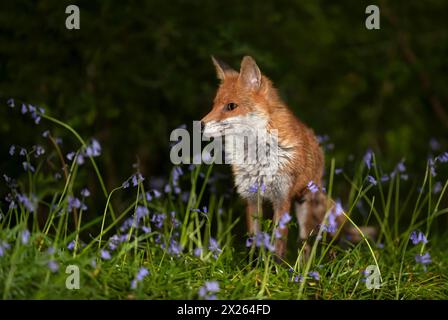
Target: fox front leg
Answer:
pixel 281 242
pixel 253 218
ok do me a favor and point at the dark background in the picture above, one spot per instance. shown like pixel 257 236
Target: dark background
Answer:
pixel 138 69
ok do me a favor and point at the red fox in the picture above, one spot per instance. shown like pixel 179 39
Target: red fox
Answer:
pixel 248 99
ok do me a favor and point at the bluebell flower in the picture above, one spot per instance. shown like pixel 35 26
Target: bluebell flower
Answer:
pixel 25 236
pixel 443 158
pixel 12 150
pixel 4 246
pixel 371 180
pixel 146 229
pixel 141 274
pixel 29 204
pixel 423 259
pixel 28 166
pixel 263 239
pixel 384 178
pixel 85 193
pixel 46 133
pixel 167 188
pixel 337 209
pixel 213 246
pixel 10 103
pixel 338 171
pixel 125 184
pixel 70 155
pixel 315 275
pixel 105 255
pixel 53 266
pixel 156 193
pixel 298 278
pixel 158 219
pixel 312 187
pixel 437 187
pixel 39 150
pixel 208 290
pixel 71 245
pixel 73 203
pixel 24 109
pixel 22 152
pixel 417 237
pixel 432 167
pixel 197 252
pixel 93 149
pixel 368 158
pixel 174 248
pixel 148 196
pixel 141 212
pixel 285 218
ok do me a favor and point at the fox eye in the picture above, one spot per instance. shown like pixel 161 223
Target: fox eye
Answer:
pixel 230 106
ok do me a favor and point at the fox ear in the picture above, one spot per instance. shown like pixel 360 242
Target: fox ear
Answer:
pixel 250 75
pixel 221 68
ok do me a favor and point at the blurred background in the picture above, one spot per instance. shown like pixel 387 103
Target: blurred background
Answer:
pixel 136 70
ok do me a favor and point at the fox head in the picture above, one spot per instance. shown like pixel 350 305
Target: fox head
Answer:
pixel 242 100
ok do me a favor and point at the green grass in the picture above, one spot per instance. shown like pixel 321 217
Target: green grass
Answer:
pixel 242 273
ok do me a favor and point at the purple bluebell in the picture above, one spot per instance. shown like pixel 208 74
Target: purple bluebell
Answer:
pixel 53 266
pixel 39 151
pixel 146 229
pixel 105 255
pixel 437 187
pixel 167 188
pixel 158 219
pixel 71 245
pixel 156 193
pixel 371 180
pixel 93 149
pixel 384 178
pixel 285 218
pixel 148 196
pixel 46 133
pixel 22 152
pixel 174 248
pixel 338 171
pixel 197 252
pixel 25 236
pixel 29 204
pixel 432 167
pixel 12 150
pixel 208 290
pixel 315 275
pixel 4 246
pixel 213 246
pixel 443 158
pixel 24 109
pixel 70 155
pixel 368 158
pixel 417 237
pixel 10 103
pixel 73 203
pixel 423 259
pixel 28 166
pixel 141 212
pixel 85 193
pixel 312 187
